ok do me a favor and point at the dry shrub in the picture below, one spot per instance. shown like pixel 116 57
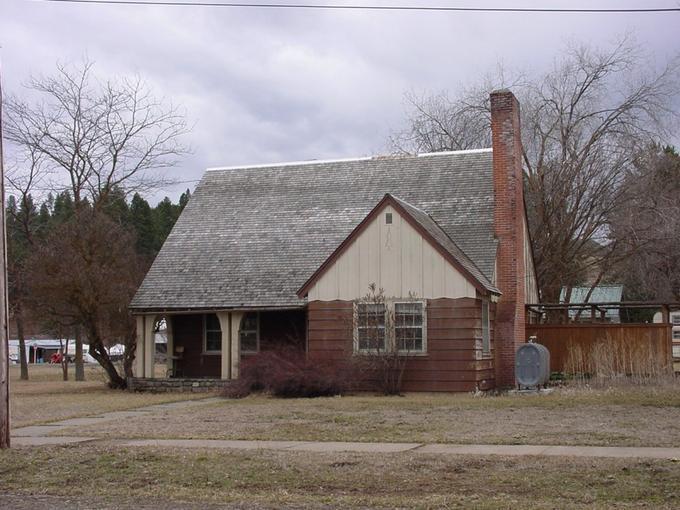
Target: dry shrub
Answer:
pixel 287 373
pixel 604 363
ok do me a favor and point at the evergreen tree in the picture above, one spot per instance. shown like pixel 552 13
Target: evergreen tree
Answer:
pixel 166 214
pixel 143 225
pixel 184 199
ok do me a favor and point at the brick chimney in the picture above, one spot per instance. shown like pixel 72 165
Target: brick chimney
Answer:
pixel 509 230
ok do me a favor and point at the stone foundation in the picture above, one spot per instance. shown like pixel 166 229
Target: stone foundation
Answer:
pixel 180 385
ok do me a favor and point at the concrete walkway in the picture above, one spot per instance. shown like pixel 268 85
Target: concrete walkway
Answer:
pixel 38 435
pixel 434 449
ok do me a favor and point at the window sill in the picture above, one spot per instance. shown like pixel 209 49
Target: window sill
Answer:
pixel 211 353
pixel 401 353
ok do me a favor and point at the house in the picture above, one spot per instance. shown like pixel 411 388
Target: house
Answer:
pixel 599 294
pixel 273 255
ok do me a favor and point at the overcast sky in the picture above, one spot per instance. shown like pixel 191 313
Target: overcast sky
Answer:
pixel 271 85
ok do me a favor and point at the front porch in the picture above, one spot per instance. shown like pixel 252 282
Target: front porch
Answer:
pixel 211 346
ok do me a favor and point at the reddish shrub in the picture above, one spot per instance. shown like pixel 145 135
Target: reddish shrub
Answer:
pixel 288 373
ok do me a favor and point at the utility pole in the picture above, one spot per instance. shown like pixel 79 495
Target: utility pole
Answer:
pixel 4 344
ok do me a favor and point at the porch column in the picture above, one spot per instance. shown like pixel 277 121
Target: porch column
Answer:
pixel 225 320
pixel 170 346
pixel 235 343
pixel 149 345
pixel 139 352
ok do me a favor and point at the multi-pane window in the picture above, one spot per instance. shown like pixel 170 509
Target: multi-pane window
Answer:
pixel 213 333
pixel 391 326
pixel 371 326
pixel 675 319
pixel 249 333
pixel 408 326
pixel 676 335
pixel 486 335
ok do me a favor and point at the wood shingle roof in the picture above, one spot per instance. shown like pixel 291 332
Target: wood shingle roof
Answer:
pixel 251 237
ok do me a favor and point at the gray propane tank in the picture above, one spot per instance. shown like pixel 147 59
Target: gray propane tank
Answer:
pixel 532 365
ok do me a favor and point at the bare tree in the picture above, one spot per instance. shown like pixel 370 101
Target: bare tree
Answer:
pixel 97 137
pixel 22 179
pixel 648 226
pixel 85 274
pixel 583 123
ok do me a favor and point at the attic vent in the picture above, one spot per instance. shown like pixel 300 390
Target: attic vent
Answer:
pixel 388 218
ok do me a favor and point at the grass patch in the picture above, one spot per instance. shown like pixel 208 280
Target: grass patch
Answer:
pixel 638 416
pixel 301 479
pixel 45 397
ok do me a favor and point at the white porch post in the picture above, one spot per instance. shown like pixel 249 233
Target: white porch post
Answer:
pixel 225 319
pixel 149 345
pixel 139 352
pixel 170 346
pixel 235 343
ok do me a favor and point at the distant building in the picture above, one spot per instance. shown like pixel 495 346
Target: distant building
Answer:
pixel 600 294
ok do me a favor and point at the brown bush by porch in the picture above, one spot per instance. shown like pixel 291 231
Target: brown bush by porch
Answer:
pixel 287 373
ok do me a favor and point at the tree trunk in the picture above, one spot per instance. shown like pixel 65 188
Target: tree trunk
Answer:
pixel 129 355
pixel 64 360
pixel 80 368
pixel 98 352
pixel 19 317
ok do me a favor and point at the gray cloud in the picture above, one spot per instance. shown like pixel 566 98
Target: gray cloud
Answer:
pixel 267 85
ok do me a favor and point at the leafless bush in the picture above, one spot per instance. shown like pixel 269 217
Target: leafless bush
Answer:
pixel 607 363
pixel 379 357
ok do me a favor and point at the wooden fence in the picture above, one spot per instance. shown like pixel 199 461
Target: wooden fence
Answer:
pixel 638 349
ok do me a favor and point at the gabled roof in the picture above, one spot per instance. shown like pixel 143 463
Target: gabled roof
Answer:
pixel 251 237
pixel 427 227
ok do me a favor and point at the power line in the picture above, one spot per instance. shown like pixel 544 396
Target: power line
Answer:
pixel 371 7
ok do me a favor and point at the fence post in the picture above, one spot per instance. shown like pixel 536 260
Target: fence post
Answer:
pixel 666 319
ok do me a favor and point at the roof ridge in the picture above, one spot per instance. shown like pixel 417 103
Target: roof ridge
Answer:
pixel 347 160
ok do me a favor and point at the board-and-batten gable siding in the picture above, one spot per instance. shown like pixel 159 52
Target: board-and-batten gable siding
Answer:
pixel 397 259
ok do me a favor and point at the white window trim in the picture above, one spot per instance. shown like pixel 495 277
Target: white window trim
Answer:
pixel 355 328
pixel 205 336
pixel 423 327
pixel 390 328
pixel 257 334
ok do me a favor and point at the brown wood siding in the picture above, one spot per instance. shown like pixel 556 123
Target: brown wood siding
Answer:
pixel 454 331
pixel 646 344
pixel 188 332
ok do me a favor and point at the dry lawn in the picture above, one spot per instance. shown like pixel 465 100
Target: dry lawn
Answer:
pixel 627 416
pixel 106 476
pixel 45 397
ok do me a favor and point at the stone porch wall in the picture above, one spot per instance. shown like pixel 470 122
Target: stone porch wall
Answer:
pixel 166 385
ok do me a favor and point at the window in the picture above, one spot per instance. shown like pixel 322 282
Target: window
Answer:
pixel 249 333
pixel 371 326
pixel 388 218
pixel 675 319
pixel 676 335
pixel 486 335
pixel 389 326
pixel 213 333
pixel 408 326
